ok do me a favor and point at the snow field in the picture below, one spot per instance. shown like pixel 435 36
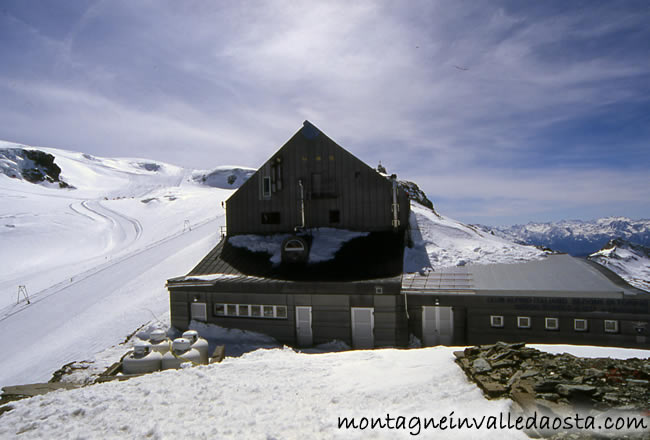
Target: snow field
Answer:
pixel 265 394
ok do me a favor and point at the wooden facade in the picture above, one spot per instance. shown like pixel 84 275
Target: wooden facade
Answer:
pixel 338 191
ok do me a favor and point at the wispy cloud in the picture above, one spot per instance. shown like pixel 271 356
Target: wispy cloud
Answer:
pixel 522 103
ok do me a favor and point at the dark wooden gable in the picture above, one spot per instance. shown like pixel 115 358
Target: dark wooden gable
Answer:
pixel 340 191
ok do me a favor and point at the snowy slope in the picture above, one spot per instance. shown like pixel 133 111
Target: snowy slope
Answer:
pixel 94 259
pixel 276 394
pixel 630 261
pixel 441 241
pixel 576 237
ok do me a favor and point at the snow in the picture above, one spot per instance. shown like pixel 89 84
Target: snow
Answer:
pixel 447 242
pixel 590 351
pixel 273 393
pixel 264 394
pixel 94 260
pixel 577 237
pixel 325 243
pixel 630 261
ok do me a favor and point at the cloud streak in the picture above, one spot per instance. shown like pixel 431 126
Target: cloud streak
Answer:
pixel 554 95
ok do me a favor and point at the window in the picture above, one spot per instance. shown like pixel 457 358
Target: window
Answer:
pixel 552 324
pixel 266 186
pixel 335 216
pixel 246 310
pixel 523 321
pixel 496 321
pixel 198 311
pixel 611 326
pixel 294 246
pixel 271 218
pixel 580 325
pixel 379 290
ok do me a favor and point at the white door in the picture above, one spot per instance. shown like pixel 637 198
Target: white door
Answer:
pixel 437 325
pixel 198 312
pixel 303 326
pixel 363 325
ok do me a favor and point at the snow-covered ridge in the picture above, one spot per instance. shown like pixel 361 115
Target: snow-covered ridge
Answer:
pixel 630 261
pixel 577 237
pixel 441 241
pixel 227 177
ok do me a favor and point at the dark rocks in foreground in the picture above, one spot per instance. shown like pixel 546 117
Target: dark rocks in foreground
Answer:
pixel 561 385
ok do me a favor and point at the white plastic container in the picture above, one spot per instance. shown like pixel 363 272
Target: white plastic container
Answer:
pixel 198 343
pixel 159 341
pixel 180 353
pixel 142 360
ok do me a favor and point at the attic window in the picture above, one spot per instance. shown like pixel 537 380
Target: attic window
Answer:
pixel 266 186
pixel 294 246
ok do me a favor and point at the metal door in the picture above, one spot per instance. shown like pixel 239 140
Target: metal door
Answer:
pixel 363 326
pixel 437 325
pixel 198 311
pixel 303 326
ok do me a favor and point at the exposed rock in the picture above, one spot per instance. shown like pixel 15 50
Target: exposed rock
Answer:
pixel 560 385
pixel 480 365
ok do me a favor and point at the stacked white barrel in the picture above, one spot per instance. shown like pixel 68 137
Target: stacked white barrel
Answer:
pixel 159 341
pixel 142 360
pixel 180 353
pixel 198 343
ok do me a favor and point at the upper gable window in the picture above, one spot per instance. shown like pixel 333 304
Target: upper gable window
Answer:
pixel 266 186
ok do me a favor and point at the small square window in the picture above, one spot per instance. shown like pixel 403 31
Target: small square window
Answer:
pixel 611 326
pixel 496 321
pixel 379 290
pixel 335 216
pixel 219 309
pixel 280 311
pixel 552 324
pixel 580 325
pixel 268 311
pixel 231 309
pixel 523 321
pixel 243 310
pixel 256 310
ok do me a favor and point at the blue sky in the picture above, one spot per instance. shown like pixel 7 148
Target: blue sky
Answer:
pixel 503 112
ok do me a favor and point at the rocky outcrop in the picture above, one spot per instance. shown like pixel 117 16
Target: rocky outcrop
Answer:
pixel 34 166
pixel 559 384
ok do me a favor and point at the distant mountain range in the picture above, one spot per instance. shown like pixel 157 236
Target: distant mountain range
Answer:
pixel 576 237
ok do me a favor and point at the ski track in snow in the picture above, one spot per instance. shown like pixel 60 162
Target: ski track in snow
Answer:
pixel 66 324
